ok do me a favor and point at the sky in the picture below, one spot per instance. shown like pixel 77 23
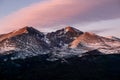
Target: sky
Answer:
pixel 99 16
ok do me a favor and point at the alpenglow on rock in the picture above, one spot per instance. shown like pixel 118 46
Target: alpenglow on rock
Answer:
pixel 28 42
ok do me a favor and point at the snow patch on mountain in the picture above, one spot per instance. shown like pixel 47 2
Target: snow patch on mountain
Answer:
pixel 63 43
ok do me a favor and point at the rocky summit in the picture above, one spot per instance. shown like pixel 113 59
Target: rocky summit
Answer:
pixel 69 41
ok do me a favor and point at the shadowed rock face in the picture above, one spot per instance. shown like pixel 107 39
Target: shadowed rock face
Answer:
pixel 63 36
pixel 25 30
pixel 26 55
pixel 26 41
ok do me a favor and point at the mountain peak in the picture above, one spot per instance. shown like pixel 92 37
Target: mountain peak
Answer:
pixel 71 29
pixel 86 37
pixel 24 30
pixel 63 36
pixel 28 41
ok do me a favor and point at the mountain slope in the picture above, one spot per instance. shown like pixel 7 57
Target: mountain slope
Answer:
pixel 63 36
pixel 93 41
pixel 27 41
pixel 67 54
pixel 63 43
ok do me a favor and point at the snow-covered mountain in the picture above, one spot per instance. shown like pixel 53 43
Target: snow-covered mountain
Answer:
pixel 66 42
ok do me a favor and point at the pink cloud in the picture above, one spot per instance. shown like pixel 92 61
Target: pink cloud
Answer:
pixel 50 13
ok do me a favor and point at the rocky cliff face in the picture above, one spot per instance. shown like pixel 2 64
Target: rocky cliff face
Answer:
pixel 66 54
pixel 28 42
pixel 63 37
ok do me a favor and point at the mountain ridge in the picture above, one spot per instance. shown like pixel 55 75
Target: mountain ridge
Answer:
pixel 31 55
pixel 28 41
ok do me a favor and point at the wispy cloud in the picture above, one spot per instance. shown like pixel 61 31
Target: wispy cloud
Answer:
pixel 56 12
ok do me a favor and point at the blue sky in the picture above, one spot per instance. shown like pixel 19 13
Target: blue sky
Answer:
pixel 10 6
pixel 99 16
